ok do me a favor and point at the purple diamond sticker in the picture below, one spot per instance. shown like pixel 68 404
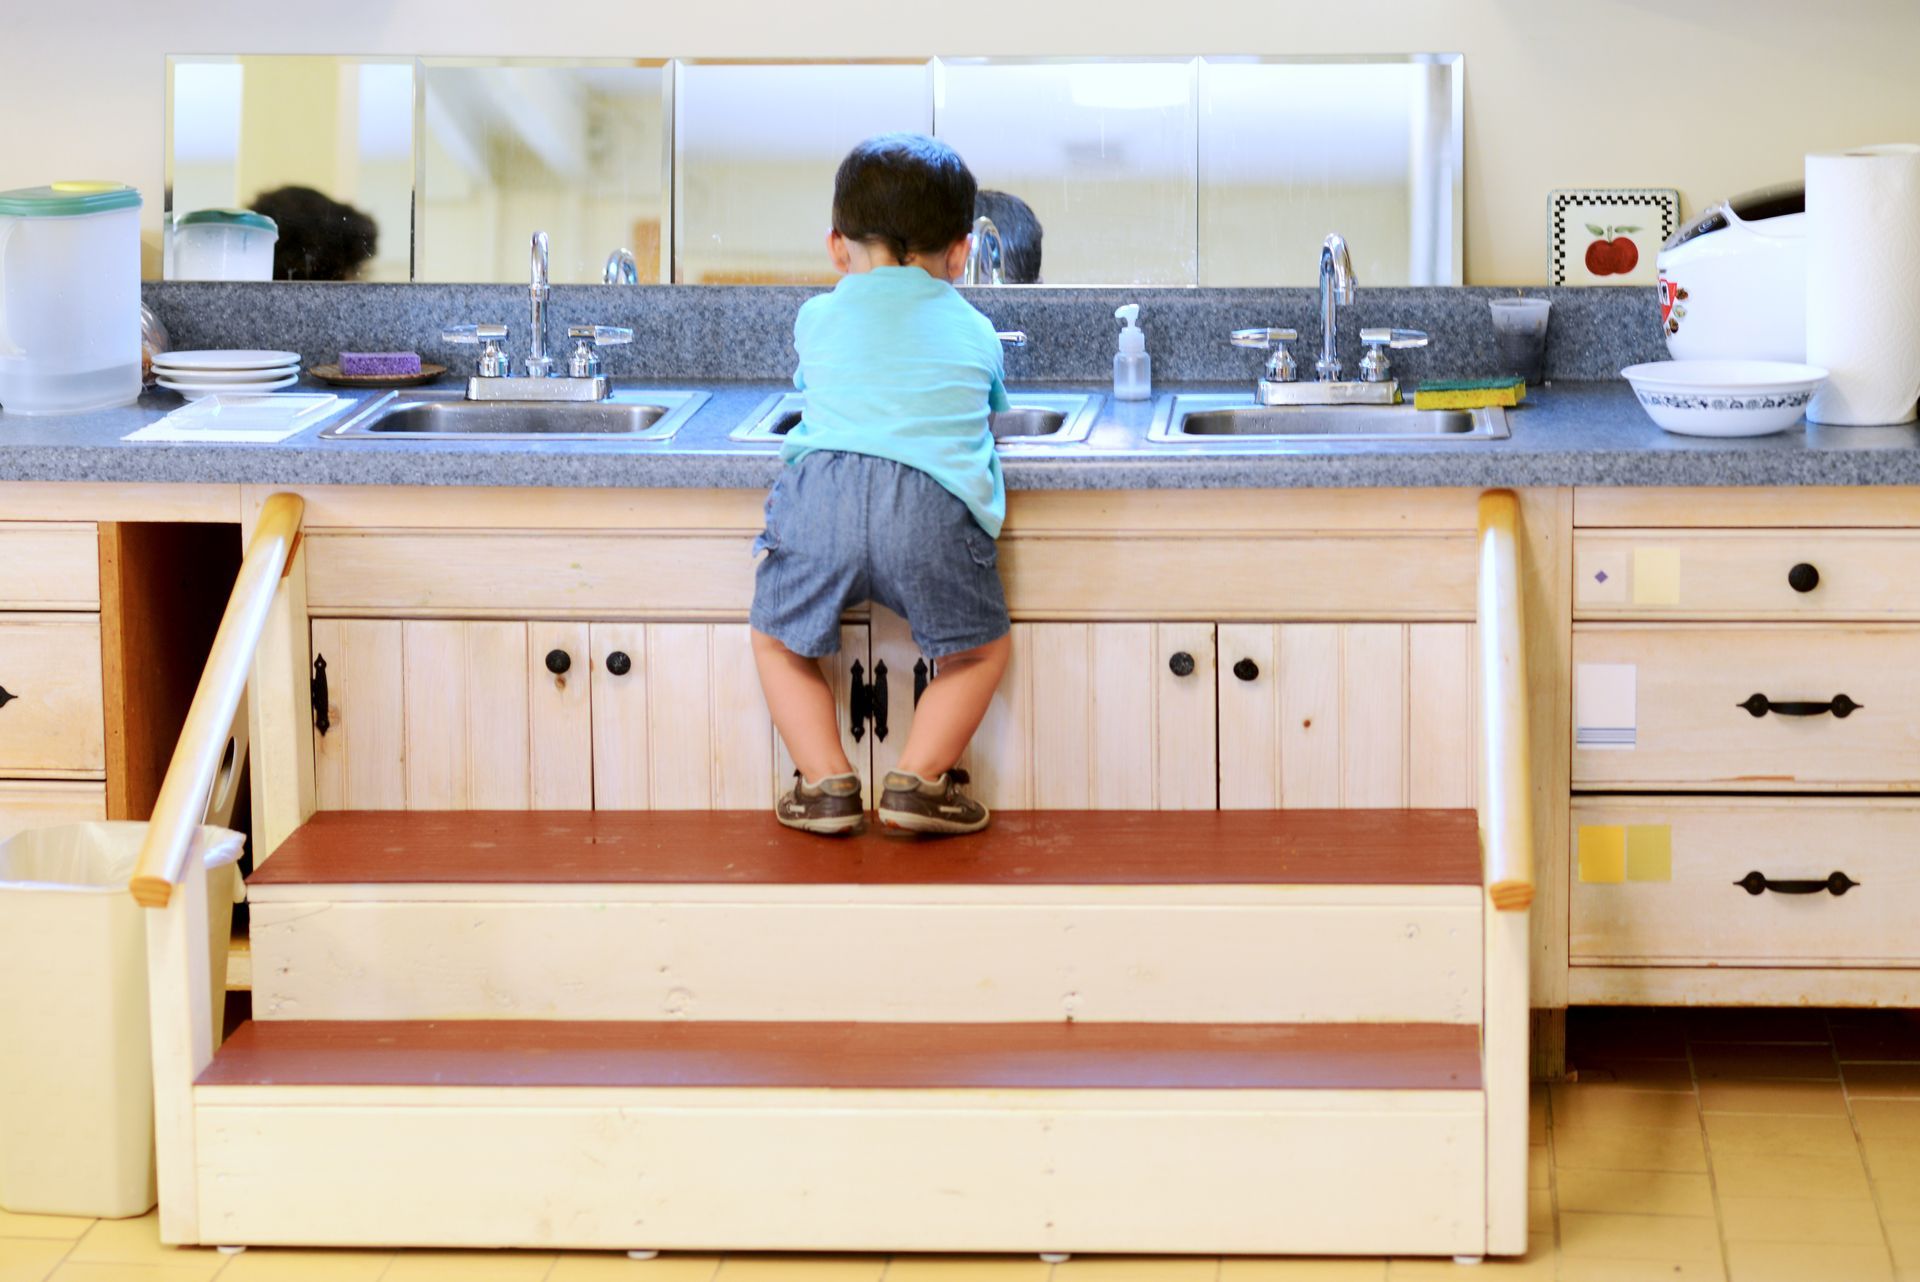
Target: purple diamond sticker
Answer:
pixel 1600 577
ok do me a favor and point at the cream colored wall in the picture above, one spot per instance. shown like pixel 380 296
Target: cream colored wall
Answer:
pixel 1710 96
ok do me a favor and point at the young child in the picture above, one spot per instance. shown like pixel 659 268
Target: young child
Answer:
pixel 892 492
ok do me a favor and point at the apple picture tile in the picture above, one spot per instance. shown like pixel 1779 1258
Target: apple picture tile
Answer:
pixel 1608 235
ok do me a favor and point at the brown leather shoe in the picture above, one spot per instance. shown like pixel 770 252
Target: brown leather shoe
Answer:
pixel 912 804
pixel 830 807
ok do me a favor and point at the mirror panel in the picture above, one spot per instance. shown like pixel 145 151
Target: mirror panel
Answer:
pixel 1102 152
pixel 576 149
pixel 757 145
pixel 333 137
pixel 1292 150
pixel 1223 171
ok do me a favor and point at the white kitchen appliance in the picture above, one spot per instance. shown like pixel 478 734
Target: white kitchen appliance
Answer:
pixel 1733 281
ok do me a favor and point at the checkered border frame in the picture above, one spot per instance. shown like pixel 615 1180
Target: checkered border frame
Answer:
pixel 1664 199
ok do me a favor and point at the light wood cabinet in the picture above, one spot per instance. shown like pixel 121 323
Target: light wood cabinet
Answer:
pixel 52 723
pixel 451 715
pixel 1346 715
pixel 42 804
pixel 49 566
pixel 1100 716
pixel 1747 574
pixel 1763 708
pixel 1745 882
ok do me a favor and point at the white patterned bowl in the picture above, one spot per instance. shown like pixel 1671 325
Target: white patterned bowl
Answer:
pixel 1724 398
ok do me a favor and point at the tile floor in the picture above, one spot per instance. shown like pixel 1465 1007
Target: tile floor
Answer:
pixel 1747 1146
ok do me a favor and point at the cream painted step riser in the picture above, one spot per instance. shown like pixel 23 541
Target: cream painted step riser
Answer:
pixel 1313 1172
pixel 1158 954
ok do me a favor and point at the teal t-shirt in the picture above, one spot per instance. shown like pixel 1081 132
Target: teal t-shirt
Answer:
pixel 898 365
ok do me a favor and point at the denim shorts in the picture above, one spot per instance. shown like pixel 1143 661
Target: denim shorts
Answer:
pixel 843 529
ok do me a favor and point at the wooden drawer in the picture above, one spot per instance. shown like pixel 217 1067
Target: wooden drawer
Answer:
pixel 25 805
pixel 1655 882
pixel 51 723
pixel 49 566
pixel 1679 696
pixel 1746 574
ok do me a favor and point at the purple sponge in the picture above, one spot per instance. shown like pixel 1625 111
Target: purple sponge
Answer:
pixel 380 364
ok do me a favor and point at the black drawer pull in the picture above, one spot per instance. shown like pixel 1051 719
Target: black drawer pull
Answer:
pixel 1759 705
pixel 1246 670
pixel 1803 577
pixel 1757 882
pixel 1181 664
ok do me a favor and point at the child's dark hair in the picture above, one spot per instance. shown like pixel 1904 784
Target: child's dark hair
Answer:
pixel 1019 232
pixel 908 192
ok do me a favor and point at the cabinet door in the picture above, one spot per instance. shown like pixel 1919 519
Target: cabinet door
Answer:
pixel 52 720
pixel 1090 716
pixel 1346 715
pixel 453 715
pixel 678 719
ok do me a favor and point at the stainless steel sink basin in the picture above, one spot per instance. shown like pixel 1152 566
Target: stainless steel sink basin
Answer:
pixel 1035 419
pixel 645 414
pixel 1205 418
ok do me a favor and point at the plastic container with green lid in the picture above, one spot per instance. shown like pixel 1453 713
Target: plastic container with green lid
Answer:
pixel 69 297
pixel 223 244
pixel 67 199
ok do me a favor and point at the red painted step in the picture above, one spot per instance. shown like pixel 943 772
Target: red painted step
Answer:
pixel 851 1056
pixel 1042 847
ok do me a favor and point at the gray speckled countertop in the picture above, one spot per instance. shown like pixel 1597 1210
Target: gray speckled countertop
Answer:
pixel 1570 433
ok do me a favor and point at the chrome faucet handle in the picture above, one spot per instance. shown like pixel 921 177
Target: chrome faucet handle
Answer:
pixel 492 362
pixel 1263 338
pixel 1394 338
pixel 1374 365
pixel 584 362
pixel 1012 337
pixel 1280 366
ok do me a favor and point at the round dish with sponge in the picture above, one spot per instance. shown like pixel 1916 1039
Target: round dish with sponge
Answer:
pixel 1724 397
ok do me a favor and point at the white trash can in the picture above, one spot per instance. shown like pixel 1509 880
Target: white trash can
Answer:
pixel 76 1068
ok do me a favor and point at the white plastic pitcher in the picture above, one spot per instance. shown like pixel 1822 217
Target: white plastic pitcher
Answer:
pixel 69 298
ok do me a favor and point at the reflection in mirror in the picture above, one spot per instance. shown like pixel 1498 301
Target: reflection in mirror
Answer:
pixel 756 147
pixel 1101 152
pixel 1290 151
pixel 578 150
pixel 324 143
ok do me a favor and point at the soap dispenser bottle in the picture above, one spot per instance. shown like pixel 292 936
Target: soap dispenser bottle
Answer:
pixel 1132 367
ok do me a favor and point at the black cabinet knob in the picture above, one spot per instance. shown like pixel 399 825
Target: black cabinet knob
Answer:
pixel 619 663
pixel 1181 664
pixel 1803 578
pixel 558 661
pixel 1246 669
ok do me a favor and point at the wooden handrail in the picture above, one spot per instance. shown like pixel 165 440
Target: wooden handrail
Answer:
pixel 182 802
pixel 1506 781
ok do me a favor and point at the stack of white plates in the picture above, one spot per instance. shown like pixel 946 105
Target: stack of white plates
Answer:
pixel 197 374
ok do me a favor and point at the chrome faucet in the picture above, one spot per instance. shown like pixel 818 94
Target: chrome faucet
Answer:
pixel 492 378
pixel 539 364
pixel 621 269
pixel 1337 286
pixel 1279 382
pixel 984 256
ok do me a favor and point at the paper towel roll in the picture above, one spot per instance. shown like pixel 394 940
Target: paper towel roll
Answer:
pixel 1863 283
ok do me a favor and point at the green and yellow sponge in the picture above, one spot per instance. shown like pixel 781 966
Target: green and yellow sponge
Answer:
pixel 1470 393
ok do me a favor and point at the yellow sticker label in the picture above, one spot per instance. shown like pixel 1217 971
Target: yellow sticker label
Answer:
pixel 1656 576
pixel 1603 853
pixel 1649 852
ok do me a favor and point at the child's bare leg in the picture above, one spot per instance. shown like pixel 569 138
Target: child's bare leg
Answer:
pixel 951 709
pixel 802 705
